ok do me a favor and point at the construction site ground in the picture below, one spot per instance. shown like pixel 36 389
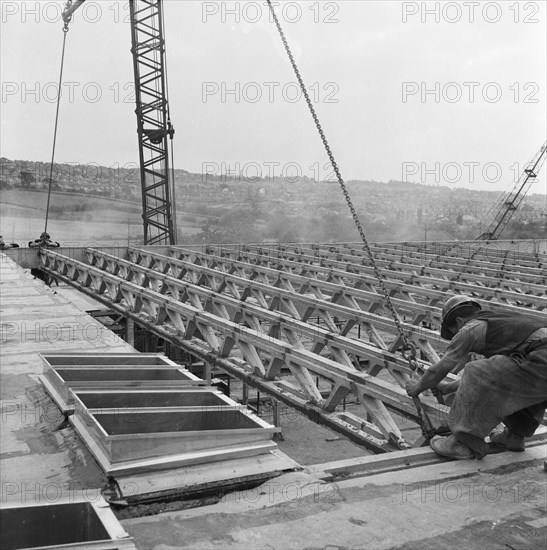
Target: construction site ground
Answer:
pixel 498 502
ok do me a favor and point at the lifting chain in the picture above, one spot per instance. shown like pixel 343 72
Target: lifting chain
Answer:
pixel 408 348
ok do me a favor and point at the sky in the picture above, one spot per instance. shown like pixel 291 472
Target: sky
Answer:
pixel 447 93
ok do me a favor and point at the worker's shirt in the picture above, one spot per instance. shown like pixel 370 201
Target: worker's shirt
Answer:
pixel 472 339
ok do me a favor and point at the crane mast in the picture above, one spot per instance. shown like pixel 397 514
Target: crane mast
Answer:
pixel 500 214
pixel 154 126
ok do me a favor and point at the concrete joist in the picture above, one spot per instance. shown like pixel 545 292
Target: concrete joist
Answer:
pixel 308 301
pixel 500 270
pixel 410 278
pixel 420 303
pixel 489 274
pixel 526 254
pixel 303 310
pixel 249 345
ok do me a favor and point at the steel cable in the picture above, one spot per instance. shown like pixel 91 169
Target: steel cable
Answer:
pixel 65 32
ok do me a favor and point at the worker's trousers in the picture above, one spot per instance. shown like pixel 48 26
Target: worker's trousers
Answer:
pixel 501 389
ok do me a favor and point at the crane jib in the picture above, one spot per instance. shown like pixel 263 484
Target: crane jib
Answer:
pixel 70 8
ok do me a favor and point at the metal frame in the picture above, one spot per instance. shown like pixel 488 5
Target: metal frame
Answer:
pixel 200 397
pixel 137 451
pixel 128 360
pixel 59 389
pixel 119 539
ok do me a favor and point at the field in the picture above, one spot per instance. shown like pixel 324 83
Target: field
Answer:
pixel 74 220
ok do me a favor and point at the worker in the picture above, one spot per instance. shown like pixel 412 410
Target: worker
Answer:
pixel 509 385
pixel 4 245
pixel 44 242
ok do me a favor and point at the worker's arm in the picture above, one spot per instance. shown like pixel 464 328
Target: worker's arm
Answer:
pixel 432 377
pixel 448 386
pixel 470 338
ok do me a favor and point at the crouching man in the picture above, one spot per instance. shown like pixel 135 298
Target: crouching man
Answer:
pixel 5 246
pixel 44 242
pixel 509 386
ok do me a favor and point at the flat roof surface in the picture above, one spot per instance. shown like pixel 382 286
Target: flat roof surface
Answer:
pixel 81 301
pixel 39 463
pixel 498 502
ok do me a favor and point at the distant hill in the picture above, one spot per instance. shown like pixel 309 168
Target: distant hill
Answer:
pixel 235 207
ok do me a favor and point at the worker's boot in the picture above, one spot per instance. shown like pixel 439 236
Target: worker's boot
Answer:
pixel 477 444
pixel 508 439
pixel 451 447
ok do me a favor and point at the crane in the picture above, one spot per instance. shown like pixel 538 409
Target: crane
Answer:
pixel 154 126
pixel 501 213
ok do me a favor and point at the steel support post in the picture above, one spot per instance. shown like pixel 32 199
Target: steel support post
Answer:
pixel 130 331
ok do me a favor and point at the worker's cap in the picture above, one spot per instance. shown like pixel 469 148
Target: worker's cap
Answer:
pixel 453 307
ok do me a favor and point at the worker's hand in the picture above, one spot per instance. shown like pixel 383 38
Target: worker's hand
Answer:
pixel 446 387
pixel 412 387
